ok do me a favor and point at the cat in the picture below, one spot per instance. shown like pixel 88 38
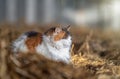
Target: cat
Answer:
pixel 53 44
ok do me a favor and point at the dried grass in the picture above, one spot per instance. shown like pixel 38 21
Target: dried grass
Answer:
pixel 95 55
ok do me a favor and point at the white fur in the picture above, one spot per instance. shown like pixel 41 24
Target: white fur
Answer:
pixel 19 44
pixel 59 50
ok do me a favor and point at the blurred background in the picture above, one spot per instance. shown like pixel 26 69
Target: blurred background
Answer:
pixel 84 13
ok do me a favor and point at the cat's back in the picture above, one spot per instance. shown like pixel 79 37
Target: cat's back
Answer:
pixel 27 42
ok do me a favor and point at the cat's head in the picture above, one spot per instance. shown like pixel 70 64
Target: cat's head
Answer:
pixel 58 33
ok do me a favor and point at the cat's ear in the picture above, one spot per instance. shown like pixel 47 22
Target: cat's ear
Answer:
pixel 68 27
pixel 58 29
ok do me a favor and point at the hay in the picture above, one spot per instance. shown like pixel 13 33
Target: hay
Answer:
pixel 94 56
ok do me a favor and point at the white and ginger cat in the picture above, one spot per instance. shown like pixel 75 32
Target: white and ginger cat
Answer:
pixel 54 44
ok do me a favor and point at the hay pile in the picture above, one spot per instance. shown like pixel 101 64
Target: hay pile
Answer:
pixel 94 56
